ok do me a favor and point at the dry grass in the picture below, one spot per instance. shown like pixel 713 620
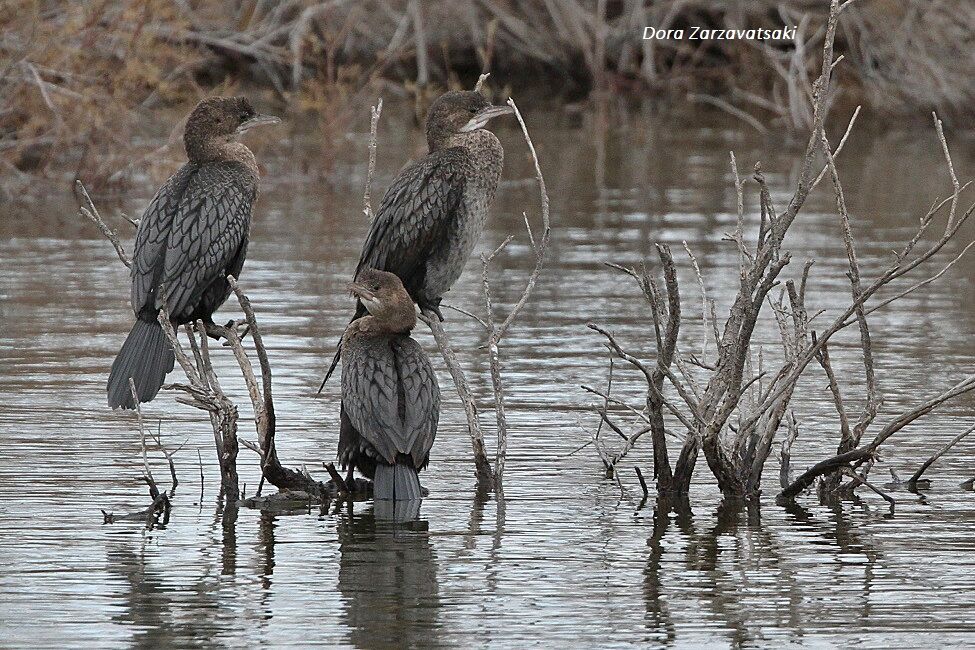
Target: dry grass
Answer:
pixel 81 84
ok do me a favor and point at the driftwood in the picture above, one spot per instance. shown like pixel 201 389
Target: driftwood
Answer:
pixel 730 406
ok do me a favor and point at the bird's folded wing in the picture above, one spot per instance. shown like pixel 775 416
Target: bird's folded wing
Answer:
pixel 208 229
pixel 422 399
pixel 370 399
pixel 415 214
pixel 152 238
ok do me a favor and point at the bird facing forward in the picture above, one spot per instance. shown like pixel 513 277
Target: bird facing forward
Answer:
pixel 390 396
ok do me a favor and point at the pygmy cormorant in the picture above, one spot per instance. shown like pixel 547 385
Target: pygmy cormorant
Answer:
pixel 434 211
pixel 390 396
pixel 192 235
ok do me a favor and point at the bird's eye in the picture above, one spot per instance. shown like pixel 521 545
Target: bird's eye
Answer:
pixel 375 287
pixel 472 110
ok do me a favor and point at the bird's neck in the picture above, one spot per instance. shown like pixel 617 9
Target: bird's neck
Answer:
pixel 478 141
pixel 399 322
pixel 221 150
pixel 486 155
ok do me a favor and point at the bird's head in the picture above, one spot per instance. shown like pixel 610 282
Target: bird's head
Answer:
pixel 385 298
pixel 218 120
pixel 459 112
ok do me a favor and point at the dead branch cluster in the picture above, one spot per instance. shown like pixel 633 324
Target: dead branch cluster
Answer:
pixel 160 500
pixel 731 404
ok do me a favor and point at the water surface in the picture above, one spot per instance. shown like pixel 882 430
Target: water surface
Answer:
pixel 569 557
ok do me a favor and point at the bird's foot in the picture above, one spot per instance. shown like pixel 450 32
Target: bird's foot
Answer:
pixel 240 327
pixel 435 308
pixel 213 330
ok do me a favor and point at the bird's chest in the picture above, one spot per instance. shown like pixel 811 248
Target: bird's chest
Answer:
pixel 448 262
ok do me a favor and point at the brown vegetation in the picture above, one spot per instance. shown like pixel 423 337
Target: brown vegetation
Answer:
pixel 81 83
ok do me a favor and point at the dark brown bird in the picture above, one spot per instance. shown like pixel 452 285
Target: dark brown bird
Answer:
pixel 434 211
pixel 193 234
pixel 390 395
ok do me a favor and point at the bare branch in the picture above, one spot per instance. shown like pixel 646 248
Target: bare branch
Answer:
pixel 375 111
pixel 153 490
pixel 839 147
pixel 861 454
pixel 481 464
pixel 469 314
pixel 91 212
pixel 912 482
pixel 951 172
pixel 546 233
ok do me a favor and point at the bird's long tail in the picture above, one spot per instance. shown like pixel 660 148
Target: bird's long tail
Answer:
pixel 398 482
pixel 331 368
pixel 146 357
pixel 360 311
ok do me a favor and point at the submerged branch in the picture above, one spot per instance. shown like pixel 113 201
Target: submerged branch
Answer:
pixel 912 482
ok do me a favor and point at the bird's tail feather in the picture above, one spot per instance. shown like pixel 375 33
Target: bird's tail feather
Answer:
pixel 146 357
pixel 398 482
pixel 331 368
pixel 360 311
pixel 397 512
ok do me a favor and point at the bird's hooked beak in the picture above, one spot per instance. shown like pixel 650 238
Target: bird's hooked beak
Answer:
pixel 258 120
pixel 483 116
pixel 363 293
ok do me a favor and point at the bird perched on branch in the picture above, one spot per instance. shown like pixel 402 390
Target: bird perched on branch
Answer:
pixel 434 211
pixel 192 235
pixel 390 395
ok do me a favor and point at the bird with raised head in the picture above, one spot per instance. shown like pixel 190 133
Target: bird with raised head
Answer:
pixel 432 214
pixel 193 234
pixel 390 396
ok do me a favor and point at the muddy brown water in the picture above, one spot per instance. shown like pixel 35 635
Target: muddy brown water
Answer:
pixel 569 558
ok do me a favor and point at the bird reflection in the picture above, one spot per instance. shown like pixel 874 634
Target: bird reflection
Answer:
pixel 388 578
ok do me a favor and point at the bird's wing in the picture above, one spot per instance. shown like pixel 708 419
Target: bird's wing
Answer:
pixel 370 397
pixel 209 228
pixel 421 394
pixel 414 215
pixel 152 237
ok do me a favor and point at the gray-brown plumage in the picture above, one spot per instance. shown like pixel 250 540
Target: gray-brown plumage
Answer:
pixel 193 234
pixel 434 211
pixel 390 395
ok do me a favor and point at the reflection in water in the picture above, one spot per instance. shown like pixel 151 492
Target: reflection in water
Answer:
pixel 155 611
pixel 659 620
pixel 736 554
pixel 559 558
pixel 396 512
pixel 265 548
pixel 228 522
pixel 388 576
